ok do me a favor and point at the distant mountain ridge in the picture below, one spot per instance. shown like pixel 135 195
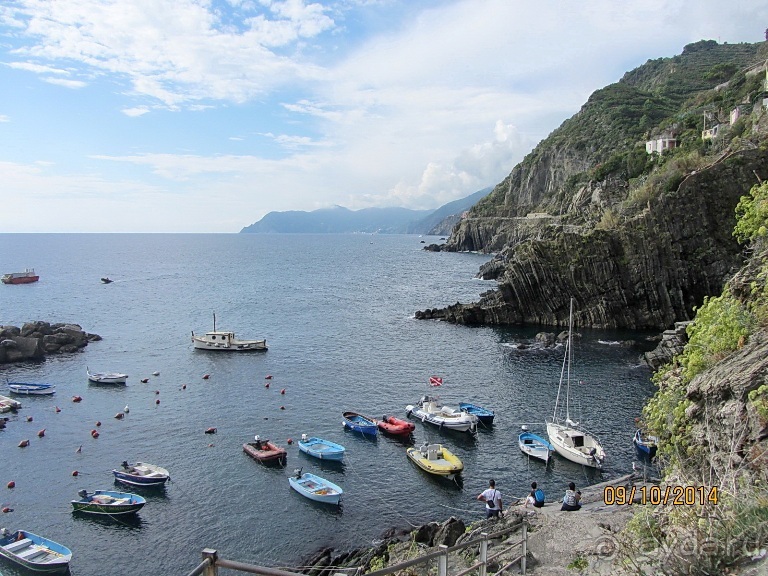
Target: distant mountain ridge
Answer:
pixel 340 220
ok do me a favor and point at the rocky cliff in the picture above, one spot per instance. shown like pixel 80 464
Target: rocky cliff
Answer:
pixel 639 240
pixel 34 340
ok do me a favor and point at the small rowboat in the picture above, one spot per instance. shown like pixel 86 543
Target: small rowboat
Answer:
pixel 34 552
pixel 315 488
pixel 395 426
pixel 141 474
pixel 108 502
pixel 33 389
pixel 645 446
pixel 484 416
pixel 106 377
pixel 436 459
pixel 359 423
pixel 265 451
pixel 534 446
pixel 320 448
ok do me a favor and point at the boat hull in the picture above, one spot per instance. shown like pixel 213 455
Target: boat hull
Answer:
pixel 316 488
pixel 141 474
pixel 322 449
pixel 359 423
pixel 437 460
pixel 395 426
pixel 266 452
pixel 645 448
pixel 106 377
pixel 448 420
pixel 26 277
pixel 535 446
pixel 576 445
pixel 32 389
pixel 484 416
pixel 35 552
pixel 228 345
pixel 109 503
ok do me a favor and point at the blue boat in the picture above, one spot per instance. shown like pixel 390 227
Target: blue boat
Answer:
pixel 141 474
pixel 320 448
pixel 315 488
pixel 33 389
pixel 534 446
pixel 34 552
pixel 484 416
pixel 359 423
pixel 108 502
pixel 645 446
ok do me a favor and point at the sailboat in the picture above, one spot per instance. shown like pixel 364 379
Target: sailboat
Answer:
pixel 569 440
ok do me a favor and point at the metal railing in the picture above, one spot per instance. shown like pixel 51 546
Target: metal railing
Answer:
pixel 211 561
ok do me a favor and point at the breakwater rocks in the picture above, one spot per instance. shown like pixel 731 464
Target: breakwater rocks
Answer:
pixel 35 340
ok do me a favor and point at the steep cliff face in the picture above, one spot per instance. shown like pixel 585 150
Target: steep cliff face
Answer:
pixel 647 272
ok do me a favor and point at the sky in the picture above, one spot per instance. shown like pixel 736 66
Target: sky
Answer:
pixel 205 115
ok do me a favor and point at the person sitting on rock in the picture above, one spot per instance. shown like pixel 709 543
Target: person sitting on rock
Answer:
pixel 571 500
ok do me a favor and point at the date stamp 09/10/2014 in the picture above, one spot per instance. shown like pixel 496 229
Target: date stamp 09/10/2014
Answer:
pixel 655 495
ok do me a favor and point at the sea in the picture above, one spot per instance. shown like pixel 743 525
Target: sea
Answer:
pixel 337 312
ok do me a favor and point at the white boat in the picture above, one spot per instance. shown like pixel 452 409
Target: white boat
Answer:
pixel 444 417
pixel 106 377
pixel 225 341
pixel 315 488
pixel 534 445
pixel 569 440
pixel 31 389
pixel 7 404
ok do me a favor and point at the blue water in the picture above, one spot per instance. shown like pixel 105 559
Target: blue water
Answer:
pixel 337 313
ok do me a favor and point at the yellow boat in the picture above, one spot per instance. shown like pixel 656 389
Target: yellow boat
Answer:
pixel 436 459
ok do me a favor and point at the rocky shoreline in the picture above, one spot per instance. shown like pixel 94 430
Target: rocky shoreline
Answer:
pixel 36 340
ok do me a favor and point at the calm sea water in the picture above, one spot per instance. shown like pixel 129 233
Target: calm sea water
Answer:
pixel 337 312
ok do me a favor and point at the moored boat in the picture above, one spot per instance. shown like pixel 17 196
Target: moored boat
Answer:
pixel 315 488
pixel 31 389
pixel 34 552
pixel 570 441
pixel 436 459
pixel 221 340
pixel 645 445
pixel 26 277
pixel 106 377
pixel 321 448
pixel 141 474
pixel 108 502
pixel 444 417
pixel 359 423
pixel 395 426
pixel 484 416
pixel 265 451
pixel 7 404
pixel 534 445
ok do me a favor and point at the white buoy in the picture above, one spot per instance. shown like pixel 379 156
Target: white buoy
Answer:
pixel 126 409
pixel 155 373
pixel 303 437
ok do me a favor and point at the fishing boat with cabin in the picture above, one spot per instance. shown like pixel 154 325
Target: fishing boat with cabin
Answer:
pixel 225 341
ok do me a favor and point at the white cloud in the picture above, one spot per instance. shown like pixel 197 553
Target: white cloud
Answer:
pixel 135 112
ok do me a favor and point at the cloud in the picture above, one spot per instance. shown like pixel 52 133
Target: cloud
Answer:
pixel 135 112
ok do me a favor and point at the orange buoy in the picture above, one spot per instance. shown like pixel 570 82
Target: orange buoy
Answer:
pixel 94 434
pixel 157 401
pixel 76 398
pixel 75 473
pixel 290 440
pixel 119 415
pixel 29 418
pixel 11 484
pixel 210 430
pixel 282 407
pixel 41 433
pixel 266 385
pixel 6 510
pixel 57 409
pixel 144 380
pixel 98 422
pixel 282 391
pixel 157 392
pixel 268 377
pixel 206 376
pixel 210 445
pixel 23 443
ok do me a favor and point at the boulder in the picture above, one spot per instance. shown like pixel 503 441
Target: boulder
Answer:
pixel 36 339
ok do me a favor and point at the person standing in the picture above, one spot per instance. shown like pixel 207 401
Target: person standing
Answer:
pixel 492 499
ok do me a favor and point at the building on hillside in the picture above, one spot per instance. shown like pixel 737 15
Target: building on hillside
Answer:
pixel 710 133
pixel 660 144
pixel 738 112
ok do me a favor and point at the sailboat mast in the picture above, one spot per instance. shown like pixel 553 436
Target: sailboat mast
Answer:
pixel 214 321
pixel 568 380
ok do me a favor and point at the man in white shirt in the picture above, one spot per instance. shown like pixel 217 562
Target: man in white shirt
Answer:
pixel 492 499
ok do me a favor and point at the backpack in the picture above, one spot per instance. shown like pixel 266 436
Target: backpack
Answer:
pixel 539 495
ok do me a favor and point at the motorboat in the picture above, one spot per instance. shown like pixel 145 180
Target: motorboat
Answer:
pixel 108 502
pixel 395 426
pixel 315 488
pixel 436 459
pixel 106 377
pixel 265 451
pixel 141 474
pixel 221 340
pixel 429 410
pixel 26 277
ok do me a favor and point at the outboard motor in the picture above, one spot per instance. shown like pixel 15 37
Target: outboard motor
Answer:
pixel 82 493
pixel 125 464
pixel 297 472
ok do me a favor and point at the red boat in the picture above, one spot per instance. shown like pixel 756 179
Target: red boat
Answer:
pixel 25 277
pixel 395 426
pixel 265 451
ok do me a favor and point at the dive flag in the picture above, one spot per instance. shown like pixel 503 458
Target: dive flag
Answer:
pixel 435 381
